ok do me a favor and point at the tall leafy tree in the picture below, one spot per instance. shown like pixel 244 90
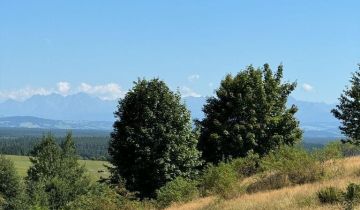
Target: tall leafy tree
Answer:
pixel 152 142
pixel 55 177
pixel 248 113
pixel 348 110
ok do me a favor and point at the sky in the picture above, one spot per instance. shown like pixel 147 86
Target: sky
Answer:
pixel 101 47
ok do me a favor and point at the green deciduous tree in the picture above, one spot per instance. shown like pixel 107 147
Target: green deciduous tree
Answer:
pixel 152 142
pixel 248 113
pixel 348 110
pixel 55 177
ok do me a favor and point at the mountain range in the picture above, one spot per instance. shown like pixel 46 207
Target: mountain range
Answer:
pixel 82 111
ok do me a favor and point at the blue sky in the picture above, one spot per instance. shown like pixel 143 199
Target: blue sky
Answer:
pixel 101 47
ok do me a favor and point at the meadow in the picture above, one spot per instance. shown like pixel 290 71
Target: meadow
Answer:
pixel 96 169
pixel 293 197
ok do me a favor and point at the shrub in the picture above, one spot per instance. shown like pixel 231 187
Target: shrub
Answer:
pixel 246 166
pixel 352 195
pixel 295 163
pixel 220 180
pixel 331 151
pixel 349 150
pixel 330 195
pixel 101 196
pixel 269 182
pixel 178 190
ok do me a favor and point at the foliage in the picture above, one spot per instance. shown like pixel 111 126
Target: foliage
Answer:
pixel 101 196
pixel 55 177
pixel 331 151
pixel 220 180
pixel 152 142
pixel 177 190
pixel 246 166
pixel 330 195
pixel 352 195
pixel 349 150
pixel 87 147
pixel 11 188
pixel 295 163
pixel 347 111
pixel 249 112
pixel 269 182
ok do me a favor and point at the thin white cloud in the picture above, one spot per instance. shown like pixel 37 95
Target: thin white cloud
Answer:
pixel 188 92
pixel 110 91
pixel 307 87
pixel 193 77
pixel 63 87
pixel 23 94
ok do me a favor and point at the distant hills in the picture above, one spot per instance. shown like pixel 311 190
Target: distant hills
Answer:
pixel 35 122
pixel 82 111
pixel 77 107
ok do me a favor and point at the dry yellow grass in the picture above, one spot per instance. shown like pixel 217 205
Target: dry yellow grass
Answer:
pixel 296 197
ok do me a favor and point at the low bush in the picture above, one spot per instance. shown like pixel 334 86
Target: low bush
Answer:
pixel 269 182
pixel 246 166
pixel 294 163
pixel 220 180
pixel 102 199
pixel 101 196
pixel 349 150
pixel 331 151
pixel 330 195
pixel 352 195
pixel 178 190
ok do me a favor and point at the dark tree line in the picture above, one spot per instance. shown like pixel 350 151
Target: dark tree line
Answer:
pixel 88 147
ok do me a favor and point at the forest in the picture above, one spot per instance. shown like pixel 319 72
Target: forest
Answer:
pixel 87 147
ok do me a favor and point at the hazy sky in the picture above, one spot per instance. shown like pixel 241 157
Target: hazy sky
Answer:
pixel 101 47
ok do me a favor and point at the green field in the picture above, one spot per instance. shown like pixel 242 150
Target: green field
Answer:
pixel 94 168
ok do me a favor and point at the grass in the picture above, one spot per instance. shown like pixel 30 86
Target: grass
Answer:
pixel 96 169
pixel 295 197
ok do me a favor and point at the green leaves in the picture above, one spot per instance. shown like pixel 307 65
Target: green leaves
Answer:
pixel 152 142
pixel 10 184
pixel 347 111
pixel 55 177
pixel 248 113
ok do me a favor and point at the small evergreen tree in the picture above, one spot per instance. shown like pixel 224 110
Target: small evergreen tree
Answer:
pixel 55 177
pixel 152 142
pixel 348 110
pixel 10 184
pixel 248 113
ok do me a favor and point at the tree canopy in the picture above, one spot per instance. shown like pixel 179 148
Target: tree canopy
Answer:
pixel 348 110
pixel 152 142
pixel 248 113
pixel 55 178
pixel 10 184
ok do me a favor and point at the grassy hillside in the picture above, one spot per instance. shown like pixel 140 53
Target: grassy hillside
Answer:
pixel 296 197
pixel 95 168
